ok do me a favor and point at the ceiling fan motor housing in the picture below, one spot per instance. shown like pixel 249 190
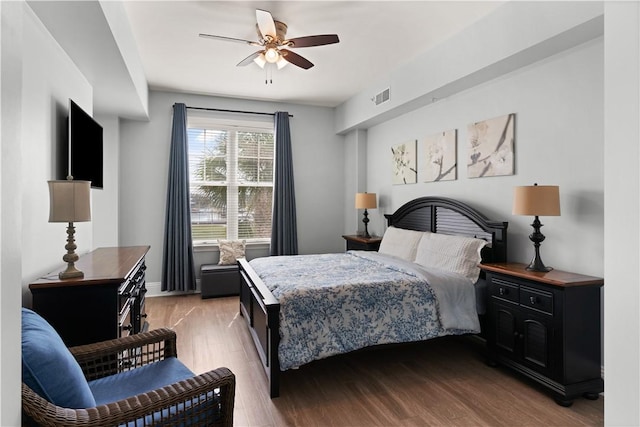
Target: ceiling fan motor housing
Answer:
pixel 281 31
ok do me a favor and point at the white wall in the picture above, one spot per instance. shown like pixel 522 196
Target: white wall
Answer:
pixel 104 202
pixel 11 25
pixel 144 158
pixel 49 79
pixel 513 35
pixel 559 141
pixel 355 160
pixel 622 213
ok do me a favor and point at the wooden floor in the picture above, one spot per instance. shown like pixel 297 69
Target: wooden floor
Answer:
pixel 443 382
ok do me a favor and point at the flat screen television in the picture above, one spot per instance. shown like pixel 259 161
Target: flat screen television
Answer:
pixel 85 146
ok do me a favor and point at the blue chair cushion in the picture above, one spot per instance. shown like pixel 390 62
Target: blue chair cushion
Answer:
pixel 139 380
pixel 49 368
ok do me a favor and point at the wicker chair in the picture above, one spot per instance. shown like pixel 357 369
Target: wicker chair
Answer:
pixel 201 400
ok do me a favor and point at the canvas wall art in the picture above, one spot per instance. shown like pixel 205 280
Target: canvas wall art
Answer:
pixel 404 167
pixel 491 145
pixel 440 156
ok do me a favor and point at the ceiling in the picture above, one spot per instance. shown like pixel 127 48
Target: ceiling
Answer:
pixel 375 37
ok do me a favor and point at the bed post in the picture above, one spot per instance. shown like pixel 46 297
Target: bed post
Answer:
pixel 261 311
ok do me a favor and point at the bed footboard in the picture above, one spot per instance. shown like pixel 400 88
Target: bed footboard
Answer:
pixel 261 311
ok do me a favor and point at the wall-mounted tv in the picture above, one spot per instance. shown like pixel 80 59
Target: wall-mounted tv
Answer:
pixel 85 146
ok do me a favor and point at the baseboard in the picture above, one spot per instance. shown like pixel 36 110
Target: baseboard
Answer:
pixel 154 289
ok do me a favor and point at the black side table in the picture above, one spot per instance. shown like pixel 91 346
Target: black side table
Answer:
pixel 361 243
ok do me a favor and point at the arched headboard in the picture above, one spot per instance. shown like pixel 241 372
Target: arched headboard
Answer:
pixel 448 216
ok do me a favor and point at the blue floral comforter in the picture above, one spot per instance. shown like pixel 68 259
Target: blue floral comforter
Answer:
pixel 336 303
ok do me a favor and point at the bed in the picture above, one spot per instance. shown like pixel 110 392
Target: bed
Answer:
pixel 297 312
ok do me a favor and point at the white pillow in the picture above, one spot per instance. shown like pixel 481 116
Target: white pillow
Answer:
pixel 230 251
pixel 400 243
pixel 457 254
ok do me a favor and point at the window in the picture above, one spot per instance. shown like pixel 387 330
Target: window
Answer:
pixel 231 179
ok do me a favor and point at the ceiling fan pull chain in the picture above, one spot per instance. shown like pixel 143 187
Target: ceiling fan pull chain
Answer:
pixel 268 74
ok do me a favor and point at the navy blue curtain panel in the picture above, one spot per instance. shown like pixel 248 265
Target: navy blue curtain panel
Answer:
pixel 284 231
pixel 178 272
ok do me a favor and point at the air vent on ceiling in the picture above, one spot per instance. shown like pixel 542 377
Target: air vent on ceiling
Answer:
pixel 381 97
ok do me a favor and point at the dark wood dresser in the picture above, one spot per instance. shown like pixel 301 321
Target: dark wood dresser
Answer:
pixel 107 303
pixel 546 326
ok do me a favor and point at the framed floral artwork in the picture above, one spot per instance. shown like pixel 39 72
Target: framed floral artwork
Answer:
pixel 404 163
pixel 491 145
pixel 440 157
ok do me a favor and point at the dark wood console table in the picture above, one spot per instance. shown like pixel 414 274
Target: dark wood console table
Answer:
pixel 107 303
pixel 547 327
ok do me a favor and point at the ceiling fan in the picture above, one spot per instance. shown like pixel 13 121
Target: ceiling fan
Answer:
pixel 274 44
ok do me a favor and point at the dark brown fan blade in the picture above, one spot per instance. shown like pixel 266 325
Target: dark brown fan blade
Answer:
pixel 249 59
pixel 229 39
pixel 309 41
pixel 296 59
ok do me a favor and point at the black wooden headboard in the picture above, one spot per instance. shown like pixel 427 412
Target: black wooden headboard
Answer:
pixel 448 216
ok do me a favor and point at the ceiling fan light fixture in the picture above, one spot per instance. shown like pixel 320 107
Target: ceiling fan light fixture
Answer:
pixel 281 62
pixel 272 55
pixel 260 60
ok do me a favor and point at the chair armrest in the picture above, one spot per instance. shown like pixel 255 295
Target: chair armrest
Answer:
pixel 106 358
pixel 191 401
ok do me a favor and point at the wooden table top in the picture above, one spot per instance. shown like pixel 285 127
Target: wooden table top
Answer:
pixel 553 277
pixel 103 264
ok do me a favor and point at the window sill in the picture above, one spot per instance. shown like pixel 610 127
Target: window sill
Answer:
pixel 213 247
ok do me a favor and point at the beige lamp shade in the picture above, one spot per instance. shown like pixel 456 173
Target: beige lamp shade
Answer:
pixel 366 201
pixel 536 200
pixel 69 201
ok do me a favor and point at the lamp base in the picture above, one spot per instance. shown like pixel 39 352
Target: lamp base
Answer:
pixel 71 256
pixel 537 237
pixel 71 273
pixel 366 222
pixel 537 265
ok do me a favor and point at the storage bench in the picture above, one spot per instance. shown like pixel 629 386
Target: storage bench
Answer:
pixel 219 280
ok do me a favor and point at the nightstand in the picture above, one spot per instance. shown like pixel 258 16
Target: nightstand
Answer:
pixel 546 326
pixel 361 243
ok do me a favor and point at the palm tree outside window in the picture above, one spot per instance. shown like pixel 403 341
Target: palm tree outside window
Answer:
pixel 231 181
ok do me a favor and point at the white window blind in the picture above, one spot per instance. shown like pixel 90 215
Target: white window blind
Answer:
pixel 231 179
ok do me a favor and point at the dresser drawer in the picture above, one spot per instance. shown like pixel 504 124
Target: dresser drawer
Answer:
pixel 504 289
pixel 537 300
pixel 125 322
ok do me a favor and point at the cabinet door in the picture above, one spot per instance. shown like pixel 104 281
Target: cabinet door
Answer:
pixel 522 335
pixel 503 328
pixel 536 333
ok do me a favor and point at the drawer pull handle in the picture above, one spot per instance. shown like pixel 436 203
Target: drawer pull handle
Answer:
pixel 533 300
pixel 503 291
pixel 127 327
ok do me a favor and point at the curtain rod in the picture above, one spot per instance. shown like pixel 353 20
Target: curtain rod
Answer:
pixel 234 111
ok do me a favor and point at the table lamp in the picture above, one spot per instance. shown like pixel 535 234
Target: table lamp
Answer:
pixel 69 201
pixel 537 200
pixel 366 201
